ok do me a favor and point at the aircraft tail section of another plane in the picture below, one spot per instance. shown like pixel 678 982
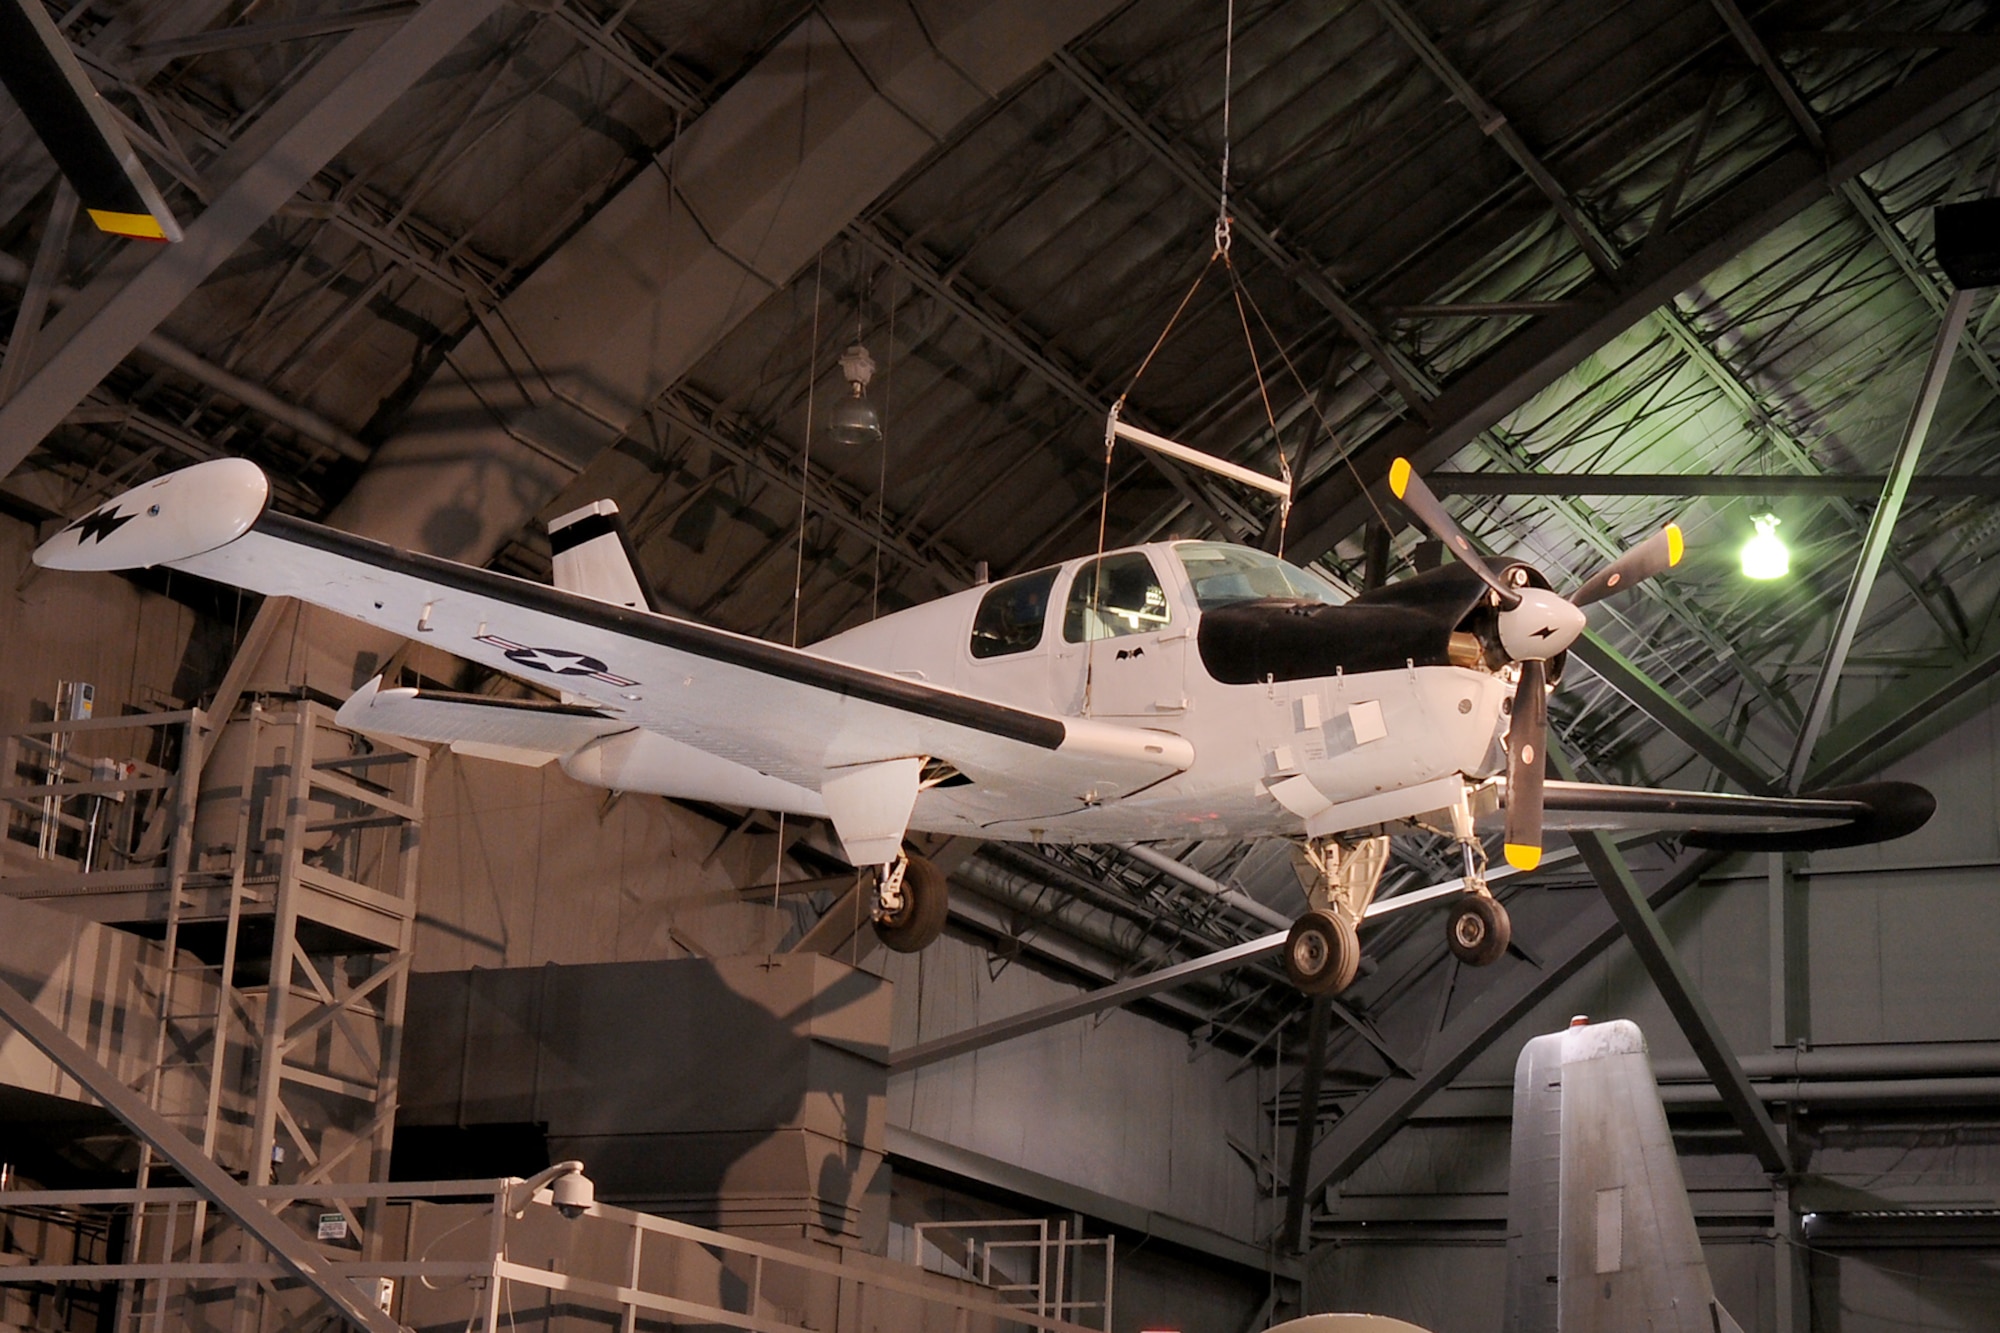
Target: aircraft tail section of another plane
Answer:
pixel 594 558
pixel 1601 1235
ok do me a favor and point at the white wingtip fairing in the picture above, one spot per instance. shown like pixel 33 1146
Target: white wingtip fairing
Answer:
pixel 169 518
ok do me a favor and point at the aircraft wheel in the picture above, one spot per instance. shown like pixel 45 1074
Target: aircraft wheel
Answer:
pixel 1478 930
pixel 1322 954
pixel 926 902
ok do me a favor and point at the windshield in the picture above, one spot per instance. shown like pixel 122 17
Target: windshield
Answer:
pixel 1221 574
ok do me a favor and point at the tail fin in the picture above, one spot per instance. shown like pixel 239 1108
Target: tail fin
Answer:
pixel 594 558
pixel 1601 1236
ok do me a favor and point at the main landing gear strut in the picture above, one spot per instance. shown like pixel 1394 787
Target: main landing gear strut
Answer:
pixel 1323 952
pixel 1477 930
pixel 912 899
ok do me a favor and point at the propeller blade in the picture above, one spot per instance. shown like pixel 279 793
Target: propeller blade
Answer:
pixel 1659 552
pixel 1527 741
pixel 1421 501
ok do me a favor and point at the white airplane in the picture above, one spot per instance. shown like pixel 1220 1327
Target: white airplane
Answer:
pixel 1170 691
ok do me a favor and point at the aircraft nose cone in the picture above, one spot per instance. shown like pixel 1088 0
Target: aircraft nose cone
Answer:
pixel 1540 627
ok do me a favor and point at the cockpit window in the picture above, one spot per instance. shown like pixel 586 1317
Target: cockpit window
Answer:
pixel 1010 616
pixel 1221 574
pixel 1113 597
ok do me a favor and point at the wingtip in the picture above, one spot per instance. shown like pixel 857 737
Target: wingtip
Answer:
pixel 1676 545
pixel 1523 857
pixel 1399 477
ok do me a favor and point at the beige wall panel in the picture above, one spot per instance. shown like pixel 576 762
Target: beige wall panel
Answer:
pixel 1115 1106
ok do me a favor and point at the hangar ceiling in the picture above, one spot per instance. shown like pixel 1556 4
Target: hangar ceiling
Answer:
pixel 573 248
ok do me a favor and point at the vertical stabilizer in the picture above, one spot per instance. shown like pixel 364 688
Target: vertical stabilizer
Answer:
pixel 593 557
pixel 1623 1252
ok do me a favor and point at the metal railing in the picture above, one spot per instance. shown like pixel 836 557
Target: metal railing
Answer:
pixel 458 1255
pixel 1030 1263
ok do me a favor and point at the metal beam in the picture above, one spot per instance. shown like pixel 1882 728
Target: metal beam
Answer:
pixel 1699 240
pixel 1517 989
pixel 1880 528
pixel 337 99
pixel 1649 940
pixel 1655 701
pixel 1774 73
pixel 1676 484
pixel 302 420
pixel 1886 732
pixel 1114 996
pixel 38 288
pixel 948 1158
pixel 1596 246
pixel 1306 1130
pixel 1411 381
pixel 239 36
pixel 234 1198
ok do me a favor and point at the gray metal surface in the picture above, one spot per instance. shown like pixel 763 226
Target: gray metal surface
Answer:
pixel 301 132
pixel 291 1250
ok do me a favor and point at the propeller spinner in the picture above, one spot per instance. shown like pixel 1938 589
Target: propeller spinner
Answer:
pixel 1535 626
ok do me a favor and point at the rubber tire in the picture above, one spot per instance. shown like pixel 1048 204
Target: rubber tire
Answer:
pixel 1322 953
pixel 926 904
pixel 1478 931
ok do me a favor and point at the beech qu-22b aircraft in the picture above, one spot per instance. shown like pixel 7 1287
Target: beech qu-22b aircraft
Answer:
pixel 1171 691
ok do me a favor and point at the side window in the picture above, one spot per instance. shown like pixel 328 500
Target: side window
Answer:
pixel 1115 596
pixel 1011 614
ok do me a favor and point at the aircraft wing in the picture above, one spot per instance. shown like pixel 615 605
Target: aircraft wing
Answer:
pixel 1839 817
pixel 779 711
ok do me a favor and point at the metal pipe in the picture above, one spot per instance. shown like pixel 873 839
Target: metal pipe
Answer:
pixel 1188 875
pixel 1222 467
pixel 258 399
pixel 1846 1062
pixel 1847 1090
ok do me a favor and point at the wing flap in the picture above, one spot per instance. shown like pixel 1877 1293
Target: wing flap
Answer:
pixel 513 731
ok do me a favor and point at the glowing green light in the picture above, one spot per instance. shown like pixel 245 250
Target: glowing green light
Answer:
pixel 1764 555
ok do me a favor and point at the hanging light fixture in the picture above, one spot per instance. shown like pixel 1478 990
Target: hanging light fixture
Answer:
pixel 853 420
pixel 1765 556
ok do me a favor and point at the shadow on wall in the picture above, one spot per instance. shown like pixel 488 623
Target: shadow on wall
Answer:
pixel 742 1093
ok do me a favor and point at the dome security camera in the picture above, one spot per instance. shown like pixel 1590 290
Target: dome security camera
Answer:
pixel 573 1194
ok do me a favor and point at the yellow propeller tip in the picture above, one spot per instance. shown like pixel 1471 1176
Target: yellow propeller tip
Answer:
pixel 1399 477
pixel 138 226
pixel 1676 544
pixel 1523 858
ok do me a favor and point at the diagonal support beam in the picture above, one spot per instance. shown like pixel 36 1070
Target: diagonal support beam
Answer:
pixel 1881 527
pixel 1656 952
pixel 1374 1119
pixel 1114 996
pixel 234 1198
pixel 1655 701
pixel 1310 1077
pixel 1596 246
pixel 1649 940
pixel 337 99
pixel 1700 239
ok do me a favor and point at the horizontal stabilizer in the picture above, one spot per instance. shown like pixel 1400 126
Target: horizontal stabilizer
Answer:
pixel 516 731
